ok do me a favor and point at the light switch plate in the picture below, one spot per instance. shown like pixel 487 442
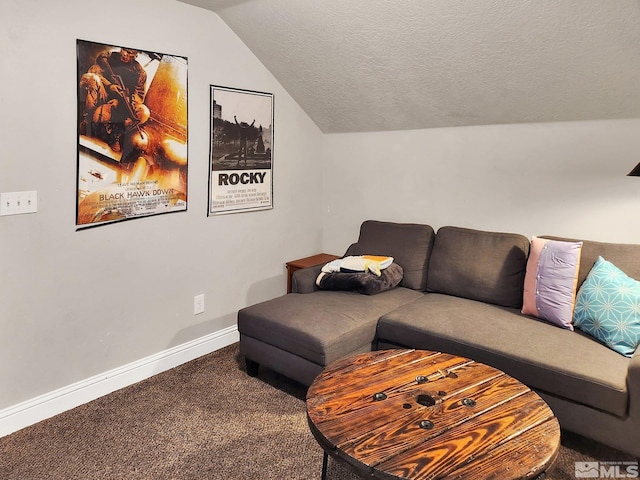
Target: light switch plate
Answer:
pixel 17 203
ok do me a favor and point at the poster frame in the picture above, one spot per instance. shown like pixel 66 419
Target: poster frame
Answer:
pixel 144 172
pixel 238 184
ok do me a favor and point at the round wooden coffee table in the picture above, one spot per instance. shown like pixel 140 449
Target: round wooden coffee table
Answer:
pixel 416 414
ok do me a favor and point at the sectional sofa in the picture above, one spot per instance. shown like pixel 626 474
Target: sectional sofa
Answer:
pixel 462 293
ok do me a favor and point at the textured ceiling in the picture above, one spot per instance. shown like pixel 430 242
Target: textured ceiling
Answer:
pixel 369 65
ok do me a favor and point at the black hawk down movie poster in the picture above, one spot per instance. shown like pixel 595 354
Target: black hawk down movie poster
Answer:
pixel 132 133
pixel 241 151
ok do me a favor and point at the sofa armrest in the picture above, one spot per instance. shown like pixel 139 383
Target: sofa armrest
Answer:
pixel 304 280
pixel 633 384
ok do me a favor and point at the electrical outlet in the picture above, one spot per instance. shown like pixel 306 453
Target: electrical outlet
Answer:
pixel 17 203
pixel 198 304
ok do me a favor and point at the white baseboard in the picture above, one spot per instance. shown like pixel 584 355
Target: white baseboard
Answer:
pixel 45 406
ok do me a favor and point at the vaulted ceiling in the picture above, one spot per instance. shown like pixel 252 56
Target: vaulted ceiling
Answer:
pixel 370 65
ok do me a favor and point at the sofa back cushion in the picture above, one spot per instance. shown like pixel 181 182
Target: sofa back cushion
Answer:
pixel 625 256
pixel 479 265
pixel 409 244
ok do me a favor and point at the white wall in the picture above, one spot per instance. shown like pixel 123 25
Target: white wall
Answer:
pixel 76 304
pixel 565 179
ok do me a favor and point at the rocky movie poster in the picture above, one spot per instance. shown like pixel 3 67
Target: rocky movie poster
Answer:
pixel 241 151
pixel 132 133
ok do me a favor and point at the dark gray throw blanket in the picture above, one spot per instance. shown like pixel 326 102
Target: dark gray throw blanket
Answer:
pixel 362 282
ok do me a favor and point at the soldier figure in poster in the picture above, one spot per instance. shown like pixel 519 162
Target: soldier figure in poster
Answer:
pixel 114 91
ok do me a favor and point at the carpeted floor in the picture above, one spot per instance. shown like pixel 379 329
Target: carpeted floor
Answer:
pixel 203 420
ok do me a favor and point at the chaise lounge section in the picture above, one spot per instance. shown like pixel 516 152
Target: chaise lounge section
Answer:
pixel 300 333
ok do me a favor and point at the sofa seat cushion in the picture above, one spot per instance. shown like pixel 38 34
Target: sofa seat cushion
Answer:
pixel 545 357
pixel 321 326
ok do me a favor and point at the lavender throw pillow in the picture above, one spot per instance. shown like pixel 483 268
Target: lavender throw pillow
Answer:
pixel 551 281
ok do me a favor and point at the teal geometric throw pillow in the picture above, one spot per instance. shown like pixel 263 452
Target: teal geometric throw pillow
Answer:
pixel 608 307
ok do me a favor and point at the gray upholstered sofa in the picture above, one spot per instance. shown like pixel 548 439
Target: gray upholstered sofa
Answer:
pixel 461 293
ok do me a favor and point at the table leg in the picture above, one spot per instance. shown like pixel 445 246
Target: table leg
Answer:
pixel 325 459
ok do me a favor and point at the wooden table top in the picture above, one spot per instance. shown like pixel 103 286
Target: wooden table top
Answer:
pixel 416 414
pixel 312 261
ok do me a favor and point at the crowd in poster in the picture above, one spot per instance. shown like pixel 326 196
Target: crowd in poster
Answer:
pixel 132 133
pixel 241 150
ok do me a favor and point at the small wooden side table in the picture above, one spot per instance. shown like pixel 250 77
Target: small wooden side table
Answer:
pixel 312 261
